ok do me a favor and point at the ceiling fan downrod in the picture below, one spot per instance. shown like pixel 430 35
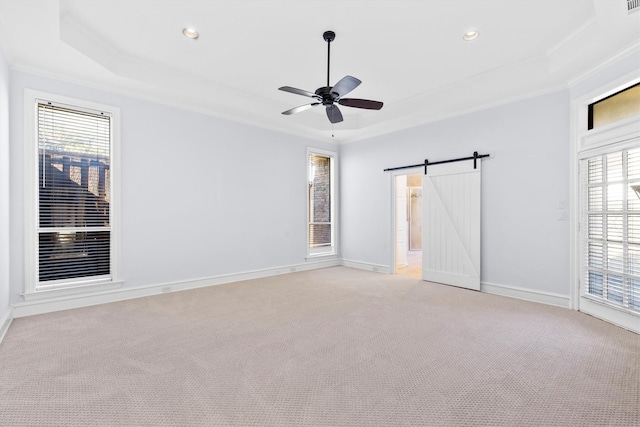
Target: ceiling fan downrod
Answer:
pixel 328 36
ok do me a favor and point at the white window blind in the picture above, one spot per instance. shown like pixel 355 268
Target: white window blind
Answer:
pixel 74 194
pixel 610 231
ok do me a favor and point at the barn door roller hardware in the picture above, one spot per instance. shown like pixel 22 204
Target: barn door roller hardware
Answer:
pixel 475 158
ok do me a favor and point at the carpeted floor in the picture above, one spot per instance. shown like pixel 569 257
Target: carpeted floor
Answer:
pixel 336 346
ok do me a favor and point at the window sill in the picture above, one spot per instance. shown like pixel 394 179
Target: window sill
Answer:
pixel 71 291
pixel 605 303
pixel 322 255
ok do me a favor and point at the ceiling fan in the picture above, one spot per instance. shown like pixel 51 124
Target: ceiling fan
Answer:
pixel 329 96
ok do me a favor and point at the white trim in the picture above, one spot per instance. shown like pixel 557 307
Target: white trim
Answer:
pixel 31 179
pixel 35 307
pixel 578 130
pixel 322 257
pixel 623 54
pixel 602 139
pixel 335 197
pixel 376 268
pixel 583 143
pixel 68 291
pixel 30 308
pixel 549 298
pixel 603 311
pixel 574 35
pixel 30 194
pixel 392 216
pixel 419 119
pixel 168 100
pixel 5 322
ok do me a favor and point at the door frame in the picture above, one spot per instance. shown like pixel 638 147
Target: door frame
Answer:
pixel 583 140
pixel 392 225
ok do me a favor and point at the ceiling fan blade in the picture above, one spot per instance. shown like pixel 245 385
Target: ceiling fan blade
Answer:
pixel 298 91
pixel 334 114
pixel 344 86
pixel 300 108
pixel 361 103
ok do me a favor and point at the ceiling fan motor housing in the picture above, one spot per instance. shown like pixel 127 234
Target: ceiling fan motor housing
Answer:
pixel 325 94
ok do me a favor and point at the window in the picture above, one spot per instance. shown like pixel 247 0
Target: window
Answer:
pixel 605 209
pixel 321 203
pixel 615 107
pixel 70 208
pixel 611 235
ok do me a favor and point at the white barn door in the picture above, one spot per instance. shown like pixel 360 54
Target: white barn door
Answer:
pixel 451 224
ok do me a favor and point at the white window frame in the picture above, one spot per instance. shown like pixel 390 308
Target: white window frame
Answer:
pixel 616 136
pixel 332 250
pixel 31 199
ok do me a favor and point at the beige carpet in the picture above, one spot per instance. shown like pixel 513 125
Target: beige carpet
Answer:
pixel 337 347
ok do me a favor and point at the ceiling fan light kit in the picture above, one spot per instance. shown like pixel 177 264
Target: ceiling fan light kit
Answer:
pixel 329 95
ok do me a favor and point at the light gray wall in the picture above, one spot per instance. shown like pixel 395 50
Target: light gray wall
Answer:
pixel 523 242
pixel 4 187
pixel 201 196
pixel 229 198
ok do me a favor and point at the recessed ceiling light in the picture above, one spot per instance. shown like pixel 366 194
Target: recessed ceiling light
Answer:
pixel 471 35
pixel 190 33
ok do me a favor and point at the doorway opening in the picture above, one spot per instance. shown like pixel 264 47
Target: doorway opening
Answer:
pixel 408 227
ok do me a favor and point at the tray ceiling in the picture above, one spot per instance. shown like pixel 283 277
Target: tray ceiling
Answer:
pixel 409 54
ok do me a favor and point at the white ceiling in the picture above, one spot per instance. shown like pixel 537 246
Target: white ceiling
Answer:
pixel 408 53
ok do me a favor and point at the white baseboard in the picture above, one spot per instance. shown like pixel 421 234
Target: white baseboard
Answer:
pixel 527 294
pixel 41 306
pixel 76 301
pixel 5 321
pixel 366 266
pixel 490 288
